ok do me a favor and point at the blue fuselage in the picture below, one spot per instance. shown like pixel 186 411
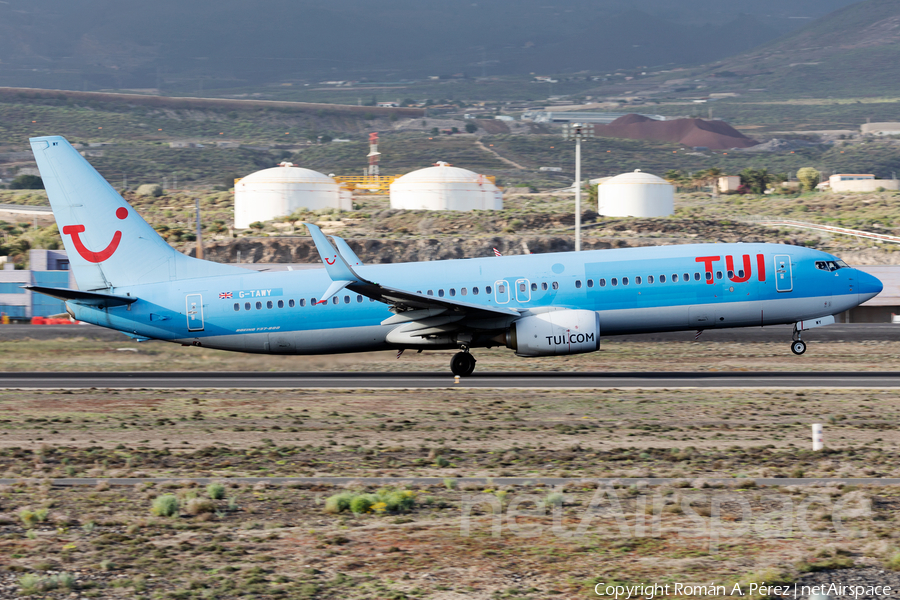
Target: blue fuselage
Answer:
pixel 663 288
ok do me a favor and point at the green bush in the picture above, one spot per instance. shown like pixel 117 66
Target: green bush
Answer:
pixel 441 462
pixel 165 506
pixel 338 503
pixel 554 499
pixel 893 563
pixel 362 503
pixel 216 491
pixel 29 519
pixel 198 506
pixel 450 483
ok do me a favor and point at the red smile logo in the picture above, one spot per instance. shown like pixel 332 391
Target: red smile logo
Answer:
pixel 88 255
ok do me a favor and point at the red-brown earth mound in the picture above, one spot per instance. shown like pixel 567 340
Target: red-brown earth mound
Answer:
pixel 716 135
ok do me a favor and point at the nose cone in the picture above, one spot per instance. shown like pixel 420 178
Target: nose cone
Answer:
pixel 868 286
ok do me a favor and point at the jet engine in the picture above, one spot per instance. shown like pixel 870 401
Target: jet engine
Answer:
pixel 555 332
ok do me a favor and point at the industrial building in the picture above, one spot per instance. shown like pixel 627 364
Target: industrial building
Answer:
pixel 603 118
pixel 48 268
pixel 866 182
pixel 445 187
pixel 636 194
pixel 281 190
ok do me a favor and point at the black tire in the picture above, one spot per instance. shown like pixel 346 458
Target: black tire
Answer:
pixel 471 368
pixel 798 347
pixel 459 364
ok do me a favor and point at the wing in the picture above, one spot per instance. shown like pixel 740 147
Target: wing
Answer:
pixel 429 311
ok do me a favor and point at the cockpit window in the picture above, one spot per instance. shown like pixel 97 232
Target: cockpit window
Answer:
pixel 831 265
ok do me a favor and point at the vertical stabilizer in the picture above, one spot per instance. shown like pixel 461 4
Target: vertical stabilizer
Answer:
pixel 108 243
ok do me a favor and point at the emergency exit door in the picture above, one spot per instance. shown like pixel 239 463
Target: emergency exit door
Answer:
pixel 784 278
pixel 194 310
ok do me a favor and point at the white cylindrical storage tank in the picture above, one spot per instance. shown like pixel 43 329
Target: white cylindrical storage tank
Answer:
pixel 444 187
pixel 636 195
pixel 279 191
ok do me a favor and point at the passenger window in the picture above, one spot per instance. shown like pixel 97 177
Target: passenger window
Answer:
pixel 452 292
pixel 359 297
pixel 730 274
pixel 441 293
pixel 709 276
pixel 269 304
pixel 637 280
pixel 430 292
pixel 544 286
pixel 487 289
pixel 696 276
pixel 555 285
pixel 523 288
pixel 674 277
pixel 741 274
pixel 281 304
pixel 258 305
pixel 464 291
pixel 312 301
pixel 687 277
pixel 246 306
pixel 614 282
pixel 302 302
pixel 334 300
pixel 291 302
pixel 577 284
pixel 718 274
pixel 590 282
pixel 237 306
pixel 649 278
pixel 346 299
pixel 533 287
pixel 475 290
pixel 662 278
pixel 602 283
pixel 624 281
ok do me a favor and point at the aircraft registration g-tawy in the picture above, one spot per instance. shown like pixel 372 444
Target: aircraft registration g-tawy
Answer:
pixel 131 280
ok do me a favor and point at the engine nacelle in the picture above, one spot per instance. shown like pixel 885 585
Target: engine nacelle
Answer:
pixel 555 332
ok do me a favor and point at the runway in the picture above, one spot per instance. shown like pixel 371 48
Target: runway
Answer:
pixel 841 332
pixel 444 380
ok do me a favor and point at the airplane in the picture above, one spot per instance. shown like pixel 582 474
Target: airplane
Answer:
pixel 129 279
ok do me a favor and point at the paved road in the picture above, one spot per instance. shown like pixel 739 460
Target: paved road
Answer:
pixel 264 380
pixel 778 334
pixel 460 480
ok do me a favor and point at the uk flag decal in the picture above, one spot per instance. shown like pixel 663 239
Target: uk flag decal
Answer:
pixel 225 296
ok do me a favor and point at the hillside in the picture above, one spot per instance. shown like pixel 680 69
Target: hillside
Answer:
pixel 184 46
pixel 854 51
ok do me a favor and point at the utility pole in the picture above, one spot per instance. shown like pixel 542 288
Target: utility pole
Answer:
pixel 577 132
pixel 199 231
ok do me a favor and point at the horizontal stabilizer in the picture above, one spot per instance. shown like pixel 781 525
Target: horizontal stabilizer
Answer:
pixel 87 298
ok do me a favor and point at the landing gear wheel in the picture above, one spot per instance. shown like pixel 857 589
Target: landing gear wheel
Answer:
pixel 462 364
pixel 798 347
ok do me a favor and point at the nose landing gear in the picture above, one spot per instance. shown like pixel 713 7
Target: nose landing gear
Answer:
pixel 798 346
pixel 462 363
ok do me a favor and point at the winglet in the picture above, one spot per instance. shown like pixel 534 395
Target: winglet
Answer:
pixel 335 265
pixel 346 252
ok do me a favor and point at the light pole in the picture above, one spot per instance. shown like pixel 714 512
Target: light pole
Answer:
pixel 577 132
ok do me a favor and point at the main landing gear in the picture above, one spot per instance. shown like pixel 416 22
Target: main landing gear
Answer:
pixel 798 346
pixel 462 363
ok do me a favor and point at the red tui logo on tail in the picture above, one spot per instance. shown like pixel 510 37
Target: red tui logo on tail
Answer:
pixel 89 255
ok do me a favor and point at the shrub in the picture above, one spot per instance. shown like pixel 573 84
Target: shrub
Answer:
pixel 893 563
pixel 165 506
pixel 361 504
pixel 449 483
pixel 216 491
pixel 198 506
pixel 554 499
pixel 441 462
pixel 154 190
pixel 338 502
pixel 29 519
